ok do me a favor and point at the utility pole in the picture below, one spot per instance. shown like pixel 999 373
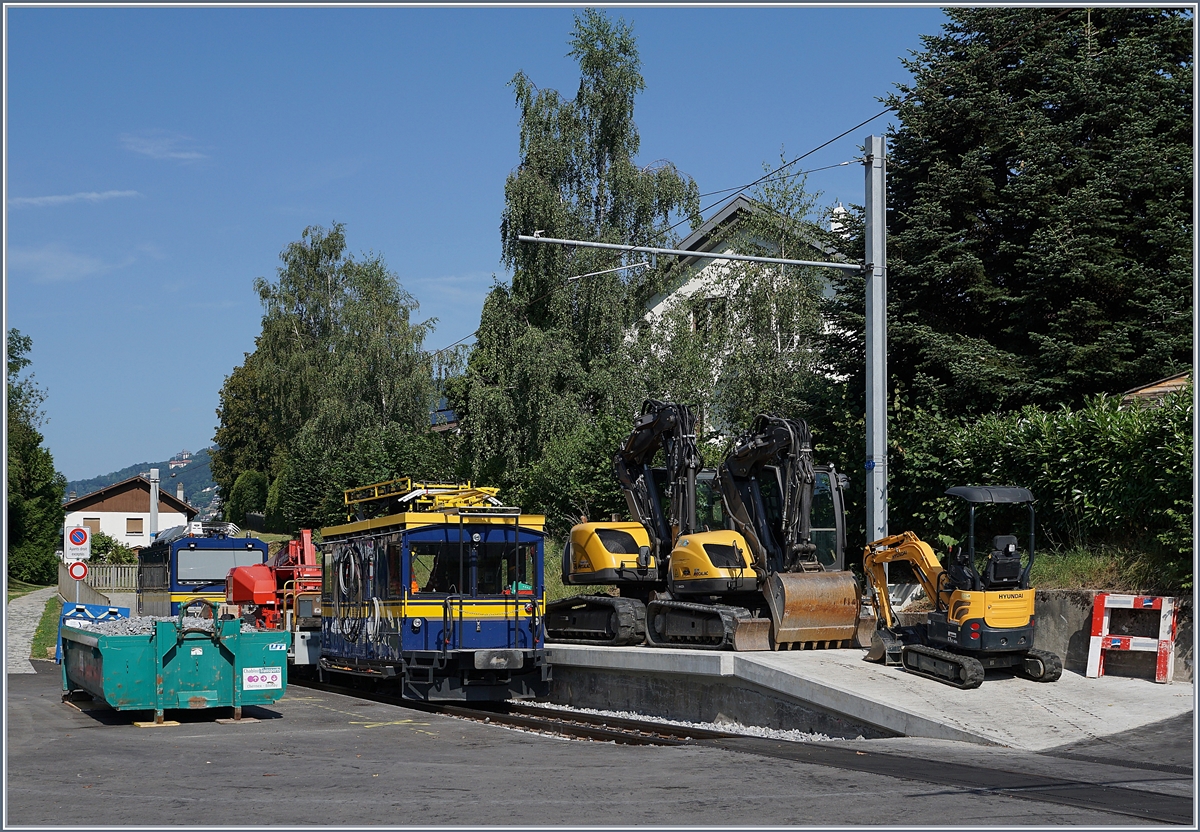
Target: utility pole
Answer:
pixel 153 504
pixel 876 326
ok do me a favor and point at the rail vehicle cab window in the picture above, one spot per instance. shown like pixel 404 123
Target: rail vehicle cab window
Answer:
pixel 447 567
pixel 395 574
pixel 506 568
pixel 824 523
pixel 211 566
pixel 327 584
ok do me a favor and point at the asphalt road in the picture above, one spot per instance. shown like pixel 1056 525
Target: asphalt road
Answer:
pixel 318 758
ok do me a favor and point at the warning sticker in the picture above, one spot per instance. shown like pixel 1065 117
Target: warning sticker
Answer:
pixel 262 678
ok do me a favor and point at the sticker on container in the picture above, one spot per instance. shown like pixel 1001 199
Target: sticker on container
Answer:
pixel 277 646
pixel 262 678
pixel 197 651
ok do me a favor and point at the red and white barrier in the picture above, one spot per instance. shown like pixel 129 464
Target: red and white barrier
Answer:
pixel 1164 645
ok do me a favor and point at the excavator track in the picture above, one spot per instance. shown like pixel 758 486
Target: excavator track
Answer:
pixel 1041 666
pixel 955 669
pixel 705 627
pixel 602 620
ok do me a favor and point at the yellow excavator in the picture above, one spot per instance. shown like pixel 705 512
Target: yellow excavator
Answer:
pixel 631 555
pixel 982 619
pixel 686 580
pixel 782 561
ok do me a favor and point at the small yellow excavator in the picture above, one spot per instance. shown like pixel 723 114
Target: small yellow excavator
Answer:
pixel 981 619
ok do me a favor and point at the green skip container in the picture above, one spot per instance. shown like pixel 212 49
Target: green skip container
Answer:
pixel 177 667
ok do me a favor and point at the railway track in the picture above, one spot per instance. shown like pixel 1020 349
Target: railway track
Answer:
pixel 1105 797
pixel 582 726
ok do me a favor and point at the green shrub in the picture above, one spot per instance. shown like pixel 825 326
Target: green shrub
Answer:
pixel 107 549
pixel 1103 476
pixel 249 493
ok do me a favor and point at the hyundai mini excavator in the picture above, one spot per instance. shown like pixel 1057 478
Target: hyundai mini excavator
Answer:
pixel 981 619
pixel 796 575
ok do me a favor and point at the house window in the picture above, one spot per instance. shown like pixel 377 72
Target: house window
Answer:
pixel 92 524
pixel 133 525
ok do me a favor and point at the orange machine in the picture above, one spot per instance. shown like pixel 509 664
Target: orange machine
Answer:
pixel 283 594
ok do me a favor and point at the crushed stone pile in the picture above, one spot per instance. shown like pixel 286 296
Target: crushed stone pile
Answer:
pixel 144 626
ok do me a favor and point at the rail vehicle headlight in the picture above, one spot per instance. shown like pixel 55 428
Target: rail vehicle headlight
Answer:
pixel 416 624
pixel 529 609
pixel 476 538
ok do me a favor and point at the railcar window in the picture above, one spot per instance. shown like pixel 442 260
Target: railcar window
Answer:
pixel 327 576
pixel 211 566
pixel 445 567
pixel 505 568
pixel 435 566
pixel 395 576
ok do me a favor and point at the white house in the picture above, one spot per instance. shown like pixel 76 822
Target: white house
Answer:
pixel 701 276
pixel 122 511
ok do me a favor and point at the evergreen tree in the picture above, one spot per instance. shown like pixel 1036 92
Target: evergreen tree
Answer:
pixel 35 488
pixel 1040 203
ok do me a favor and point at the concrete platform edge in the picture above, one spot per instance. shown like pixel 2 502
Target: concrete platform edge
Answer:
pixel 744 666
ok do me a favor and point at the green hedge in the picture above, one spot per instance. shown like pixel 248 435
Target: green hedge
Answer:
pixel 1103 475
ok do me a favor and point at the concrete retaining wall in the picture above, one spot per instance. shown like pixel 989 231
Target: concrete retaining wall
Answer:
pixel 695 698
pixel 1064 626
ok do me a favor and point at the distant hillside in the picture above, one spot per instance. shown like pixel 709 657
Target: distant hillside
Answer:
pixel 198 486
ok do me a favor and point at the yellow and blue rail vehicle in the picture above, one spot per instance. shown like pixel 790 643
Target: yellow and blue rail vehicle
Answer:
pixel 443 593
pixel 191 562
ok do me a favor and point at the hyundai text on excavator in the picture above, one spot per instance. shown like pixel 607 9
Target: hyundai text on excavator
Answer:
pixel 687 582
pixel 981 619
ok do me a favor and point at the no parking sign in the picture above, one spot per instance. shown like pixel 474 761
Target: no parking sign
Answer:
pixel 77 543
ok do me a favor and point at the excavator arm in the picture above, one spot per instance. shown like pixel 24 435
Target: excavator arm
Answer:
pixel 900 548
pixel 780 543
pixel 671 427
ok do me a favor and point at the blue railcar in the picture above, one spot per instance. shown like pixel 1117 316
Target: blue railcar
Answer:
pixel 443 598
pixel 190 562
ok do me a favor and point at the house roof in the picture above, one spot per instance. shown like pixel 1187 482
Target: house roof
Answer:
pixel 1158 389
pixel 124 486
pixel 705 238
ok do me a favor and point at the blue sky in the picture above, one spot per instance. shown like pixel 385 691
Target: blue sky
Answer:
pixel 159 159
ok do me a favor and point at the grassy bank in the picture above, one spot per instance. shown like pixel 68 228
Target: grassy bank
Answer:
pixel 45 638
pixel 18 588
pixel 1111 569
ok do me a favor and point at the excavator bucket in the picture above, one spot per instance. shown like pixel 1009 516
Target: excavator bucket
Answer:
pixel 813 607
pixel 877 650
pixel 752 634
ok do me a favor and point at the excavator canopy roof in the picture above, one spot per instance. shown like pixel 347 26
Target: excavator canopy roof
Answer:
pixel 990 494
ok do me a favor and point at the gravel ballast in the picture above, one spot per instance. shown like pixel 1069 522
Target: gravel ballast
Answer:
pixel 144 626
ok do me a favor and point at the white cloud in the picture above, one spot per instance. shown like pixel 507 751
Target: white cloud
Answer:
pixel 159 145
pixel 63 199
pixel 54 264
